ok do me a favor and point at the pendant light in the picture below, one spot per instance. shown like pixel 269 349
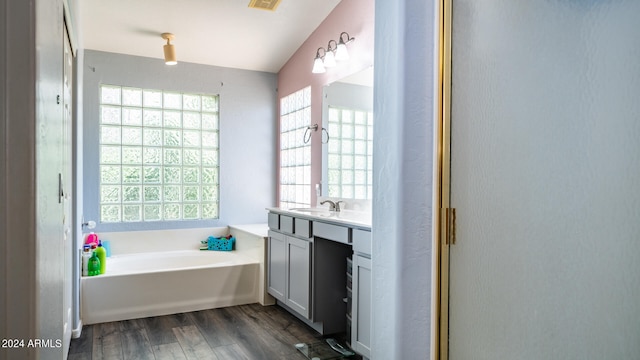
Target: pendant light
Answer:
pixel 169 50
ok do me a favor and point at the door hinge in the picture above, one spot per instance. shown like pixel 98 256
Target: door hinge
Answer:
pixel 449 217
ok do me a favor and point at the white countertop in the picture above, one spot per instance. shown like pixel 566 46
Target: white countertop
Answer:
pixel 256 229
pixel 358 219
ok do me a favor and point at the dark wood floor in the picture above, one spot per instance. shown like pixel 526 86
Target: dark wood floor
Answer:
pixel 238 332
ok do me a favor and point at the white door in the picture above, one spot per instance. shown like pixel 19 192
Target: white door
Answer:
pixel 545 171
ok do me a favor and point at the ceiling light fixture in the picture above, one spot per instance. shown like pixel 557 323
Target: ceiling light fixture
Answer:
pixel 264 4
pixel 169 49
pixel 336 51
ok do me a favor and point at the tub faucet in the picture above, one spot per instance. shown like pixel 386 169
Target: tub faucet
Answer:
pixel 333 206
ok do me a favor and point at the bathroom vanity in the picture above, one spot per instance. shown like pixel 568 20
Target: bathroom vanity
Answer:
pixel 319 269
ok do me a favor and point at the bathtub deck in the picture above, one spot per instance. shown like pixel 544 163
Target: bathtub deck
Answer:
pixel 237 332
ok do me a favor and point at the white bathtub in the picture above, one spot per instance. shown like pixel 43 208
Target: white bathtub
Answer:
pixel 161 283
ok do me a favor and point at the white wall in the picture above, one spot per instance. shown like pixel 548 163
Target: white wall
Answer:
pixel 247 131
pixel 545 179
pixel 405 105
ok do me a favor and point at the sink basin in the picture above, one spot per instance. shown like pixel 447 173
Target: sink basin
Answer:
pixel 310 209
pixel 314 211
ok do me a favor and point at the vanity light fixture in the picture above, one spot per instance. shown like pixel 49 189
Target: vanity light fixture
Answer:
pixel 318 65
pixel 341 52
pixel 169 49
pixel 329 56
pixel 336 51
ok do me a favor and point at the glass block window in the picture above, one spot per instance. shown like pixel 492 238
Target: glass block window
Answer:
pixel 295 154
pixel 349 153
pixel 158 155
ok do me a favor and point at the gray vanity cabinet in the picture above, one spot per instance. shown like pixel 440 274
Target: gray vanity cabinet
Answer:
pixel 308 273
pixel 277 270
pixel 361 311
pixel 289 264
pixel 299 265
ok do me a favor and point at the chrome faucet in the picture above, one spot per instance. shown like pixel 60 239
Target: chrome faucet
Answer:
pixel 333 206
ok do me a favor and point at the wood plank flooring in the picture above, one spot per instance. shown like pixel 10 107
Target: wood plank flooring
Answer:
pixel 238 332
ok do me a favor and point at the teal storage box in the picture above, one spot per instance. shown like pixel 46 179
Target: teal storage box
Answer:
pixel 221 244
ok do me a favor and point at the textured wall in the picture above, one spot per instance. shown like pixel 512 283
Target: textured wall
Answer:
pixel 545 179
pixel 247 131
pixel 405 105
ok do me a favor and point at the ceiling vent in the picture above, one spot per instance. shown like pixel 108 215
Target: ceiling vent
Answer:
pixel 270 5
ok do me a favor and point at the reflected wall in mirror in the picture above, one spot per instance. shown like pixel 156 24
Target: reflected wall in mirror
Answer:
pixel 347 156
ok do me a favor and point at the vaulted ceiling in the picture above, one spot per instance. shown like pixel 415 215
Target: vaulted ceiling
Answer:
pixel 224 33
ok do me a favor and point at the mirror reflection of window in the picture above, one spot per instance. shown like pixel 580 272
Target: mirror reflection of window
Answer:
pixel 347 114
pixel 349 155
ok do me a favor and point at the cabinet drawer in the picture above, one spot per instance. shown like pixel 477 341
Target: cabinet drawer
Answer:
pixel 302 228
pixel 362 241
pixel 332 232
pixel 274 221
pixel 286 224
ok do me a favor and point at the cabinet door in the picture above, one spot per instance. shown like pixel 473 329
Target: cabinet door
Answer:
pixel 277 262
pixel 361 308
pixel 299 264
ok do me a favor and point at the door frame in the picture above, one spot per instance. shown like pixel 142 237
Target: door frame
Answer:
pixel 445 232
pixel 68 199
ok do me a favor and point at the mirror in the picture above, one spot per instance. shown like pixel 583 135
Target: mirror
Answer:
pixel 347 115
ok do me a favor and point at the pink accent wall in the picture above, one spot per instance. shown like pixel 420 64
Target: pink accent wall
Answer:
pixel 356 17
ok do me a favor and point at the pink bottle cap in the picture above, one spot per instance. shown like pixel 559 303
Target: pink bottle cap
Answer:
pixel 91 239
